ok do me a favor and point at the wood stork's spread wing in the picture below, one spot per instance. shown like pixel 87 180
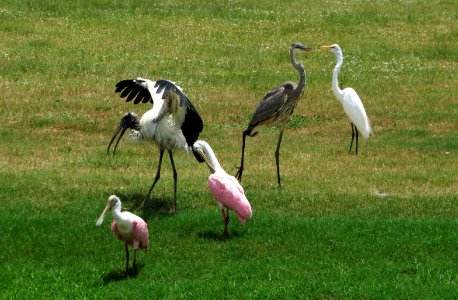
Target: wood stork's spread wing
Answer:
pixel 269 105
pixel 175 103
pixel 178 104
pixel 131 89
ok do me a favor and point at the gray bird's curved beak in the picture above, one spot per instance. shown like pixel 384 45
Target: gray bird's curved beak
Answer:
pixel 121 129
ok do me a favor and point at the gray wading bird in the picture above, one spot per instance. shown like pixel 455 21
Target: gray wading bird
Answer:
pixel 172 123
pixel 350 100
pixel 276 106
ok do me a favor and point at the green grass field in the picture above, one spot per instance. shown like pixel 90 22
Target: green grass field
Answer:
pixel 382 224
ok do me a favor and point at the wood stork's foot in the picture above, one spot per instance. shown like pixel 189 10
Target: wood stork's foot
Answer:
pixel 238 175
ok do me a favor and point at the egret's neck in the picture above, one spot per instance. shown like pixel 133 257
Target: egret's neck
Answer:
pixel 335 83
pixel 300 68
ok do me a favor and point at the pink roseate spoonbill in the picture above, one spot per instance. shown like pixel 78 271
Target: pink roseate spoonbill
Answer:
pixel 225 189
pixel 129 228
pixel 172 123
pixel 350 100
pixel 276 107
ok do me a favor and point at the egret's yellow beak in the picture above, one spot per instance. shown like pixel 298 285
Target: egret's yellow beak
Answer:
pixel 327 48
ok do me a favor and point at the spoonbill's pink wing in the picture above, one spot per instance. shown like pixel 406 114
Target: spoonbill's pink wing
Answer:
pixel 226 190
pixel 140 233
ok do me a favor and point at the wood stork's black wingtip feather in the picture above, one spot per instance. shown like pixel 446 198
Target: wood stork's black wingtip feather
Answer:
pixel 122 85
pixel 130 89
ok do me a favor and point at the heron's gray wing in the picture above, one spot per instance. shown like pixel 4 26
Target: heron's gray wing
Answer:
pixel 269 105
pixel 178 104
pixel 130 89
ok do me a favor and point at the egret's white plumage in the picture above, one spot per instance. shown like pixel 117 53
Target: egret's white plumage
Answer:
pixel 172 123
pixel 349 99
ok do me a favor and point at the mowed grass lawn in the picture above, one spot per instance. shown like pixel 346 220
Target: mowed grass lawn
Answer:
pixel 380 224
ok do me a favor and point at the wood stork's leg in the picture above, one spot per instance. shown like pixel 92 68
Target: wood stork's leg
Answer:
pixel 240 169
pixel 127 258
pixel 277 155
pixel 175 179
pixel 225 220
pixel 158 175
pixel 352 136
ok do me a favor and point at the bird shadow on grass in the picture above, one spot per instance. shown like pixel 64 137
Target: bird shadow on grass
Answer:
pixel 218 235
pixel 155 207
pixel 120 275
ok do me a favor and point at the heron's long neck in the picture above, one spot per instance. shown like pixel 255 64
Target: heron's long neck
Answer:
pixel 335 83
pixel 212 159
pixel 300 68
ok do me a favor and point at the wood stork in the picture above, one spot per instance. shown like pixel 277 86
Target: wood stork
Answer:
pixel 172 123
pixel 129 228
pixel 226 190
pixel 350 100
pixel 276 107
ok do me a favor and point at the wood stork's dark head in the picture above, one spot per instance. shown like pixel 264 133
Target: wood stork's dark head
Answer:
pixel 130 120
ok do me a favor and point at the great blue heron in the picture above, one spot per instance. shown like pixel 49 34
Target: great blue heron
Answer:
pixel 172 123
pixel 350 100
pixel 276 106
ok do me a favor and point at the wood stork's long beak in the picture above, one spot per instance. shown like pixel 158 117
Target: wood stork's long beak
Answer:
pixel 102 216
pixel 121 129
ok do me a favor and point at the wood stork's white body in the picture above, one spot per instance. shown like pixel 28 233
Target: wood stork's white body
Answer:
pixel 172 123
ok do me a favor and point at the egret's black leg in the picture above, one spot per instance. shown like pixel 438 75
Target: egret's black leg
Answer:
pixel 352 137
pixel 127 259
pixel 356 129
pixel 277 156
pixel 240 170
pixel 158 175
pixel 175 179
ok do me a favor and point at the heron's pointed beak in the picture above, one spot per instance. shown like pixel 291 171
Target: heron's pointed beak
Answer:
pixel 306 48
pixel 102 216
pixel 326 48
pixel 121 129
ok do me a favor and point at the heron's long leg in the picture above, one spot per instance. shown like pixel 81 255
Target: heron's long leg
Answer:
pixel 240 171
pixel 175 179
pixel 352 137
pixel 356 129
pixel 277 155
pixel 127 258
pixel 158 175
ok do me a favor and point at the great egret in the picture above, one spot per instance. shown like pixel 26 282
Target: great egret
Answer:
pixel 350 100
